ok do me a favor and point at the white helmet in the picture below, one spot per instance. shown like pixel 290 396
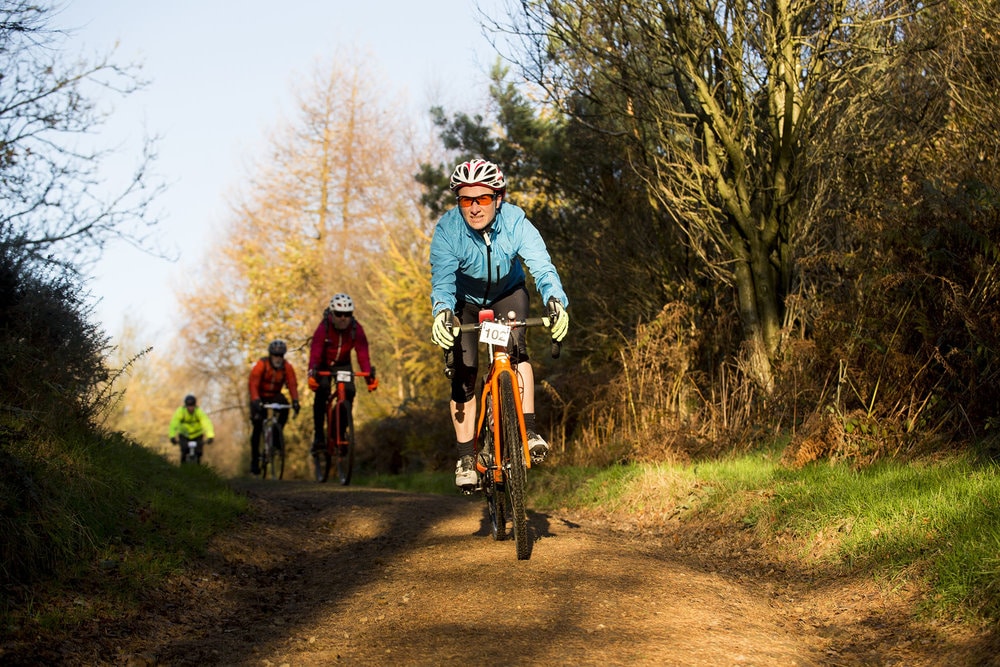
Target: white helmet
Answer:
pixel 341 303
pixel 478 172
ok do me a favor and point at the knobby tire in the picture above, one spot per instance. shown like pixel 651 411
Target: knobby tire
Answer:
pixel 495 498
pixel 515 470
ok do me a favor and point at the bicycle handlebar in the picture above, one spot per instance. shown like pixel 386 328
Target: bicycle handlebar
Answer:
pixel 514 323
pixel 277 406
pixel 360 374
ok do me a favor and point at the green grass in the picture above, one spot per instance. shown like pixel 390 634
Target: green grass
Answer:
pixel 936 520
pixel 936 523
pixel 79 508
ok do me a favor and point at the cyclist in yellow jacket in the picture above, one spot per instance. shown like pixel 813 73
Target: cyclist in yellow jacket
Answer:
pixel 191 423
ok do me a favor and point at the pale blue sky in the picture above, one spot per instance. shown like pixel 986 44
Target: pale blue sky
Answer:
pixel 221 76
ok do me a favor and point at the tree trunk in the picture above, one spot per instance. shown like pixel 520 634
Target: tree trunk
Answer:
pixel 755 293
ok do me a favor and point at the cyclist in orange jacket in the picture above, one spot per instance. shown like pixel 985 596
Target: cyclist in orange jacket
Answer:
pixel 267 377
pixel 337 334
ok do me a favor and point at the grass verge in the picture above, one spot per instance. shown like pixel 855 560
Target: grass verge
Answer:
pixel 100 516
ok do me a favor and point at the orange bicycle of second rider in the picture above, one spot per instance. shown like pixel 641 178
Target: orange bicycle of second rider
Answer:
pixel 340 441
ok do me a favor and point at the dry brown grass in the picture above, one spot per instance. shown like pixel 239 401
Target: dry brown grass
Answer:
pixel 658 408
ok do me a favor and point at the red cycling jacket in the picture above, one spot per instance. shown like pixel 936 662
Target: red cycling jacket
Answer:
pixel 332 347
pixel 266 380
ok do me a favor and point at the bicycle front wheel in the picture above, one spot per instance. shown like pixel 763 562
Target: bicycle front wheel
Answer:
pixel 264 458
pixel 272 465
pixel 515 470
pixel 345 453
pixel 322 460
pixel 278 454
pixel 496 500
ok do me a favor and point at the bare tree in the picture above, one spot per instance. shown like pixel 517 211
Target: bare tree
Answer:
pixel 720 101
pixel 55 203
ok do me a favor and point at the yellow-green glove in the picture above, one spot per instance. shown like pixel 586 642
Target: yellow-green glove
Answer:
pixel 441 332
pixel 559 318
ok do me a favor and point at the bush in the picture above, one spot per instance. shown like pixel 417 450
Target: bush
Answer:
pixel 52 357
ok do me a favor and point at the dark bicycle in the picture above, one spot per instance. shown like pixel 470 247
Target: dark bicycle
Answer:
pixel 272 452
pixel 191 449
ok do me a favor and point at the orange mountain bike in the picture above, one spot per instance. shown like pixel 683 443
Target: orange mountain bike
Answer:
pixel 501 441
pixel 339 448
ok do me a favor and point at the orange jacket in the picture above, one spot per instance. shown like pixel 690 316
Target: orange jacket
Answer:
pixel 266 381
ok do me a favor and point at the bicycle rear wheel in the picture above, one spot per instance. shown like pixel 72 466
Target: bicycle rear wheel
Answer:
pixel 515 470
pixel 495 498
pixel 345 453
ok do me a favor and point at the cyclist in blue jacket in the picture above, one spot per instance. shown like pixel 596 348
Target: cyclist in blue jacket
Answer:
pixel 476 262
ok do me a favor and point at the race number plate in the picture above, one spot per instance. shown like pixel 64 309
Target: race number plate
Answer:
pixel 492 333
pixel 345 376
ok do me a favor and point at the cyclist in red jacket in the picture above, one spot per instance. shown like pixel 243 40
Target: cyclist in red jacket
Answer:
pixel 337 334
pixel 267 377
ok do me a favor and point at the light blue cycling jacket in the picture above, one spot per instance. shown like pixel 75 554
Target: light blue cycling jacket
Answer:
pixel 465 268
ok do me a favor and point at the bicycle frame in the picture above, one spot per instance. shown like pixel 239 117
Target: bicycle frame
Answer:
pixel 270 423
pixel 272 417
pixel 338 395
pixel 502 475
pixel 500 365
pixel 189 447
pixel 337 447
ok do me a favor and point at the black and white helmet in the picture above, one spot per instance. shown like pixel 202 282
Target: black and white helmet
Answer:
pixel 341 303
pixel 478 172
pixel 277 347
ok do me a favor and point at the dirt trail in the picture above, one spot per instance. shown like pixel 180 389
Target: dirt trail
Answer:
pixel 325 575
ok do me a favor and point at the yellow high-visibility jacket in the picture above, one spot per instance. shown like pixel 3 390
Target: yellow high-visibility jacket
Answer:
pixel 191 424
